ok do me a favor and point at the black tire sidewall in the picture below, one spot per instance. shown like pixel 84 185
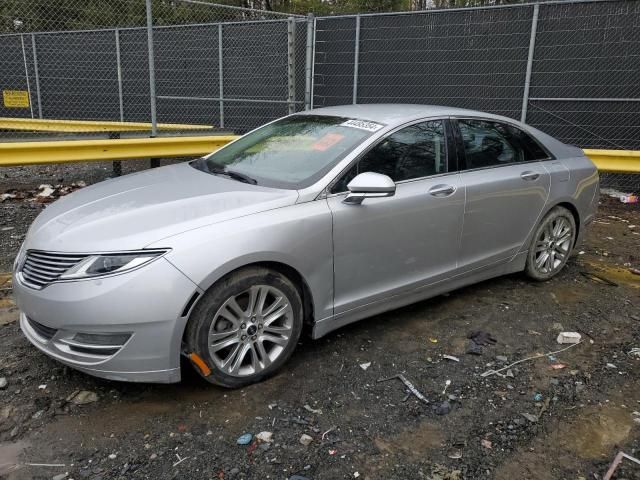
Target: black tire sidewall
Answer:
pixel 197 332
pixel 554 213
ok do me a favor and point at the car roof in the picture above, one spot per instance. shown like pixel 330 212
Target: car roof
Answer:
pixel 397 113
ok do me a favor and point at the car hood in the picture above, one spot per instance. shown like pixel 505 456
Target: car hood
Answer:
pixel 133 211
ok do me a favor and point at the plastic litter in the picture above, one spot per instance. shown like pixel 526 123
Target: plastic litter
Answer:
pixel 539 355
pixel 569 337
pixel 244 439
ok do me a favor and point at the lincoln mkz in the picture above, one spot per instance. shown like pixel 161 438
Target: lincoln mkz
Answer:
pixel 314 221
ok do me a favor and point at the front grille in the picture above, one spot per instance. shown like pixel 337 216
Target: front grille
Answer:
pixel 39 268
pixel 43 331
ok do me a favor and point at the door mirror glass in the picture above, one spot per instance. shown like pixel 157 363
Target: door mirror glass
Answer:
pixel 369 185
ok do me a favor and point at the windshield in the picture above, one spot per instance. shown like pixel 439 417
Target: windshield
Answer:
pixel 291 153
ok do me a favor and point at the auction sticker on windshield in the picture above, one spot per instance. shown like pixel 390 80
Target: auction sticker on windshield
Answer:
pixel 362 125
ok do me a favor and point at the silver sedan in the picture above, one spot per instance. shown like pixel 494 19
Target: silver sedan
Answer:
pixel 318 219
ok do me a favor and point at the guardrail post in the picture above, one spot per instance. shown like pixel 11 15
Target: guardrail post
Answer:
pixel 308 71
pixel 532 46
pixel 291 64
pixel 220 76
pixel 37 74
pixel 155 162
pixel 117 164
pixel 26 74
pixel 356 61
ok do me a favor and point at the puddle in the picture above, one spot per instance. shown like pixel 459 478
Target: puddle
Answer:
pixel 597 431
pixel 9 453
pixel 619 275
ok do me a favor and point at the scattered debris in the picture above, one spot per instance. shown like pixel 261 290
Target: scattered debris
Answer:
pixel 328 432
pixel 433 340
pixel 446 385
pixel 479 339
pixel 539 355
pixel 486 443
pixel 266 437
pixel 530 417
pixel 244 439
pixel 616 461
pixel 82 397
pixel 451 357
pixel 364 366
pixel 454 453
pixel 443 409
pixel 306 439
pixel 537 397
pixel 408 384
pixel 317 411
pixel 635 271
pixel 611 365
pixel 598 278
pixel 569 337
pixel 502 359
pixel 113 456
pixel 180 460
pixel 634 351
pixel 3 383
pixel 42 387
pixel 631 198
pixel 557 366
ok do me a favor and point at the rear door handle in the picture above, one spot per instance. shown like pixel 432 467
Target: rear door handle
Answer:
pixel 442 190
pixel 530 176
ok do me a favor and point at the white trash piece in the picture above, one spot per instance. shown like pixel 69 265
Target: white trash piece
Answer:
pixel 569 337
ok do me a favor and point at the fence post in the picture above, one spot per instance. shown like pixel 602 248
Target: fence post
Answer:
pixel 152 78
pixel 117 164
pixel 26 74
pixel 37 74
pixel 291 64
pixel 532 46
pixel 309 63
pixel 356 61
pixel 220 75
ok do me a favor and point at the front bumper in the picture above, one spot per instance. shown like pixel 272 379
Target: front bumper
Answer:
pixel 143 308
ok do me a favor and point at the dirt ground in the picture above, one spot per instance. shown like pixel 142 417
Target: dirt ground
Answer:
pixel 577 416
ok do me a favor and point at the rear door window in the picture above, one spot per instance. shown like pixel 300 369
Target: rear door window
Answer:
pixel 492 144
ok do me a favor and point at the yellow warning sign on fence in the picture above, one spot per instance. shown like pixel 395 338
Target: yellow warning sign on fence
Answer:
pixel 15 98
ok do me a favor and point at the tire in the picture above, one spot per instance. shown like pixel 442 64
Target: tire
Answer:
pixel 242 345
pixel 551 244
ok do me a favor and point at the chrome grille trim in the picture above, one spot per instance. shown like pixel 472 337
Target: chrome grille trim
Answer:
pixel 39 268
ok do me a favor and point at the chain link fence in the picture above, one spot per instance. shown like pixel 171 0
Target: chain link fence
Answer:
pixel 192 66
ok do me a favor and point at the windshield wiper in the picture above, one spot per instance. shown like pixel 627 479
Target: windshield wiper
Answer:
pixel 241 177
pixel 202 164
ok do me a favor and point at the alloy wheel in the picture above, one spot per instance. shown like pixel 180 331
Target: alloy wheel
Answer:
pixel 250 330
pixel 553 245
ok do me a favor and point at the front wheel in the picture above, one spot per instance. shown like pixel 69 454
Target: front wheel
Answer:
pixel 245 327
pixel 551 244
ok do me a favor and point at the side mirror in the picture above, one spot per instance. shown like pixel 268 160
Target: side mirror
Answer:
pixel 369 185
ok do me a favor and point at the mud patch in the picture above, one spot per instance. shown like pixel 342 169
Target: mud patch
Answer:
pixel 415 444
pixel 9 453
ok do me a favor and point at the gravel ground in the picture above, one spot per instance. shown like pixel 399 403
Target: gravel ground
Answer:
pixel 576 417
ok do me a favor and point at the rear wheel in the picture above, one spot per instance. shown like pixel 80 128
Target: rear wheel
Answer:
pixel 551 244
pixel 246 326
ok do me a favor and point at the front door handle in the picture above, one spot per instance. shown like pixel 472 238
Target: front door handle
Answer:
pixel 530 176
pixel 442 190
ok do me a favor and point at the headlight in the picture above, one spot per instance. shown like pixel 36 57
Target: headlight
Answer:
pixel 110 263
pixel 17 263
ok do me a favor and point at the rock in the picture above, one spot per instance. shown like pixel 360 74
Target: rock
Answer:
pixel 502 358
pixel 3 383
pixel 306 439
pixel 82 397
pixel 234 471
pixel 153 456
pixel 530 417
pixel 112 456
pixel 37 415
pixel 14 433
pixel 265 437
pixel 443 409
pixel 244 439
pixel 557 326
pixel 510 373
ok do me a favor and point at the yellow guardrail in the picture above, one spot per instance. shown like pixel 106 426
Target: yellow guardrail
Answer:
pixel 35 153
pixel 615 161
pixel 87 126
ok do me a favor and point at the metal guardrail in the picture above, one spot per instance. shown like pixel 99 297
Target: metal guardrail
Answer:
pixel 615 161
pixel 34 153
pixel 88 126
